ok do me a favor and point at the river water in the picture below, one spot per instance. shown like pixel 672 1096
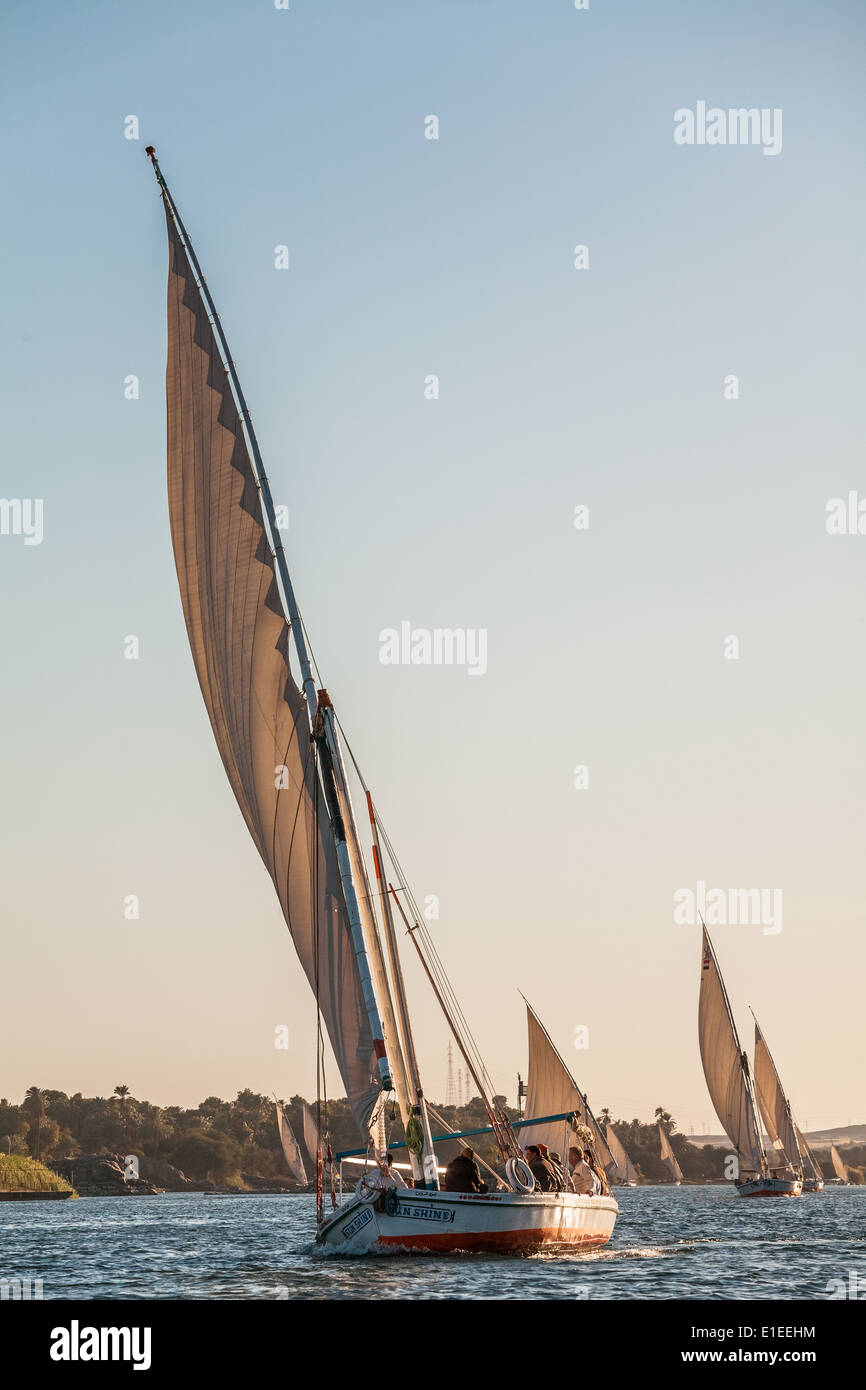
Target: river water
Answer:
pixel 669 1243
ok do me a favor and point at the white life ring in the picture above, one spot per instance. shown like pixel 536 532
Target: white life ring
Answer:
pixel 367 1191
pixel 520 1175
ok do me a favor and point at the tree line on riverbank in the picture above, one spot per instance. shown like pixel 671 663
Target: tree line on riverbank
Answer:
pixel 220 1139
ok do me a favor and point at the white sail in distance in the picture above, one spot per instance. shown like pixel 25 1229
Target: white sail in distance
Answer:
pixel 622 1168
pixel 774 1105
pixel 838 1166
pixel 311 1132
pixel 726 1067
pixel 669 1158
pixel 239 639
pixel 291 1147
pixel 552 1090
pixel 811 1166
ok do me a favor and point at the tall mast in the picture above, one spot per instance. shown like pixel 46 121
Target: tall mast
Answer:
pixel 326 744
pixel 418 1108
pixel 499 1123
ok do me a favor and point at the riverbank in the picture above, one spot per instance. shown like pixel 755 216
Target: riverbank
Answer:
pixel 104 1175
pixel 26 1179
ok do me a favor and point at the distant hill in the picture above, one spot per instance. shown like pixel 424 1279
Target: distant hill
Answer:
pixel 843 1134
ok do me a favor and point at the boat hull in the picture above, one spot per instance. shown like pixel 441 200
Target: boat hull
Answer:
pixel 446 1222
pixel 770 1187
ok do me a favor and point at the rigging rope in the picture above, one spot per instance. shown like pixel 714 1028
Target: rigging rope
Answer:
pixel 432 955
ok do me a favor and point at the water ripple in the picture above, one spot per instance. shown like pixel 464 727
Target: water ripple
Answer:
pixel 201 1247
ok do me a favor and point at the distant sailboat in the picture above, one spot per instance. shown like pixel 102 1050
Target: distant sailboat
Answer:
pixel 282 748
pixel 669 1158
pixel 622 1170
pixel 776 1110
pixel 291 1147
pixel 813 1177
pixel 838 1166
pixel 310 1131
pixel 726 1069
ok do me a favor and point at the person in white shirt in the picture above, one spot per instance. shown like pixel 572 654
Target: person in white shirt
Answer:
pixel 392 1177
pixel 583 1180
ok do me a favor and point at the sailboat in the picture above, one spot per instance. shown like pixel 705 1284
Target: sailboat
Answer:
pixel 551 1089
pixel 813 1177
pixel 282 747
pixel 291 1148
pixel 838 1166
pixel 622 1170
pixel 669 1158
pixel 776 1109
pixel 729 1082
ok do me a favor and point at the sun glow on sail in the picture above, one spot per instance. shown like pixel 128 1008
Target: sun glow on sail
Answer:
pixel 725 1065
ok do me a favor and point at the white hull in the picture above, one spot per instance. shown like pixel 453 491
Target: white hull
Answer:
pixel 437 1222
pixel 770 1187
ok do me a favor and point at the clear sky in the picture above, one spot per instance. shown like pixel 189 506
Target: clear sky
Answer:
pixel 559 387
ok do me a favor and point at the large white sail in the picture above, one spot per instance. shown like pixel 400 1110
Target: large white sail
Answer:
pixel 774 1106
pixel 240 646
pixel 838 1166
pixel 669 1158
pixel 622 1168
pixel 552 1090
pixel 811 1166
pixel 726 1067
pixel 291 1147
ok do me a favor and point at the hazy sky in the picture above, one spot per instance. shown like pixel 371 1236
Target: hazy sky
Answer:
pixel 559 387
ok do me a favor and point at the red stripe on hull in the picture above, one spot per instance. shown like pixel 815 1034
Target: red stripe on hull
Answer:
pixel 770 1192
pixel 492 1241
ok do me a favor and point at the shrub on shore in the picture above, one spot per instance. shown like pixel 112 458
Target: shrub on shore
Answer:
pixel 20 1174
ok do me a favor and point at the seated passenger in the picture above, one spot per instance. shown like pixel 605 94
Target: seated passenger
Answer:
pixel 598 1173
pixel 582 1177
pixel 561 1176
pixel 541 1170
pixel 393 1177
pixel 463 1174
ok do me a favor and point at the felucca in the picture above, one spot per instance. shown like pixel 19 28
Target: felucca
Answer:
pixel 623 1170
pixel 280 742
pixel 813 1177
pixel 729 1082
pixel 552 1090
pixel 776 1110
pixel 669 1158
pixel 838 1166
pixel 290 1146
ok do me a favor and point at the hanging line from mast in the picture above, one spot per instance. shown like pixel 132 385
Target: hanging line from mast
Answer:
pixel 434 960
pixel 492 1171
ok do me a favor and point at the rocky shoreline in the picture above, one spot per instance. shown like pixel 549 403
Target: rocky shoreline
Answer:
pixel 102 1175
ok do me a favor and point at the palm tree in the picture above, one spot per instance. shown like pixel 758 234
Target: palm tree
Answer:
pixel 34 1109
pixel 663 1118
pixel 122 1092
pixel 604 1117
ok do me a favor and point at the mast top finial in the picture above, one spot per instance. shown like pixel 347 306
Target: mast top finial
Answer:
pixel 150 152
